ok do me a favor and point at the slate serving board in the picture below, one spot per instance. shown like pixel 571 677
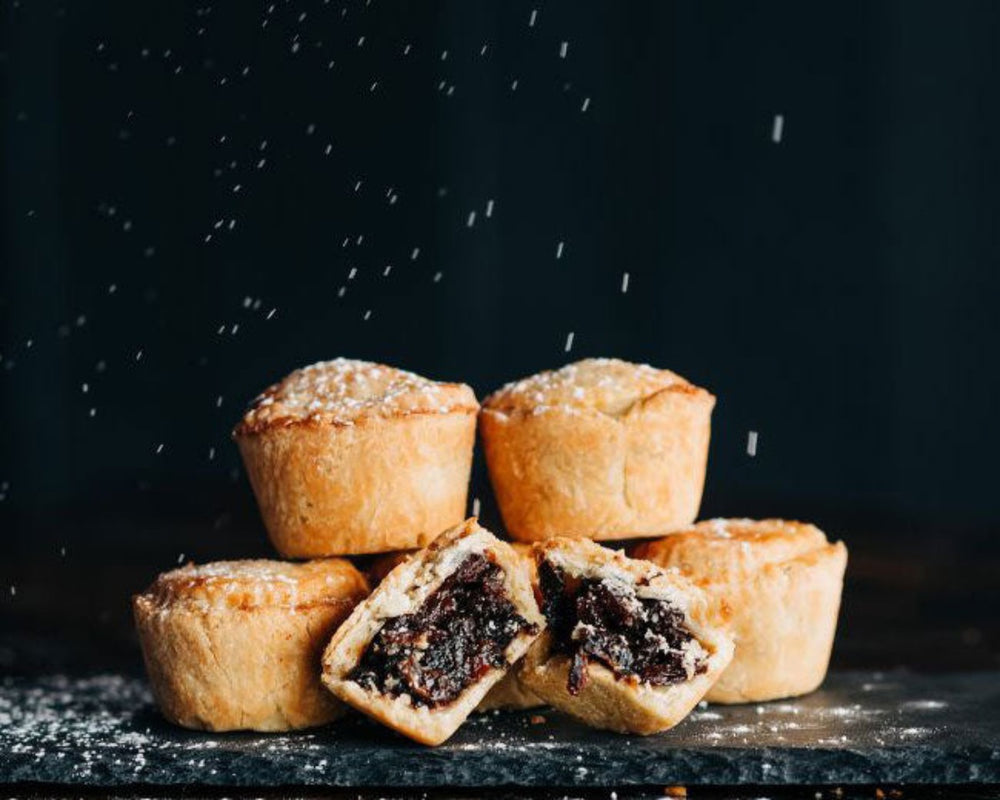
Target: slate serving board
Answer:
pixel 861 727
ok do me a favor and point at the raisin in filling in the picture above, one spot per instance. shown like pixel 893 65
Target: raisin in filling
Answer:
pixel 644 640
pixel 458 634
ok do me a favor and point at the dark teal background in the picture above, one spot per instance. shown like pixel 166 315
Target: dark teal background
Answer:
pixel 837 290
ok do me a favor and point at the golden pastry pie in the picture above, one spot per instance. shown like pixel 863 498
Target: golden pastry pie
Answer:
pixel 348 457
pixel 600 449
pixel 436 635
pixel 783 582
pixel 236 645
pixel 629 647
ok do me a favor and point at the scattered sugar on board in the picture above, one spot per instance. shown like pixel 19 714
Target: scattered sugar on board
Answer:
pixel 924 705
pixel 100 726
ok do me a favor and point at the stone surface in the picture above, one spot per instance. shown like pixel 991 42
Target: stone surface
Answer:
pixel 878 728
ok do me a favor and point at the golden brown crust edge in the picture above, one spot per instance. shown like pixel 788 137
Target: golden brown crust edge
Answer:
pixel 402 591
pixel 344 391
pixel 382 484
pixel 783 581
pixel 606 702
pixel 509 694
pixel 224 666
pixel 567 471
pixel 249 584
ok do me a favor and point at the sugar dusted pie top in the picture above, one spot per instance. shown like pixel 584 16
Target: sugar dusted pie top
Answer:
pixel 758 531
pixel 343 391
pixel 747 543
pixel 607 385
pixel 258 583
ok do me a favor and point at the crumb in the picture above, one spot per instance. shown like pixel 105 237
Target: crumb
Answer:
pixel 879 793
pixel 538 719
pixel 675 791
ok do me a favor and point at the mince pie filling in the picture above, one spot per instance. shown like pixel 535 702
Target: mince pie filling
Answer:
pixel 640 639
pixel 458 634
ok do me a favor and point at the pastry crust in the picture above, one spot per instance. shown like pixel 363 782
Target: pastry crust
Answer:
pixel 403 591
pixel 349 457
pixel 510 694
pixel 605 701
pixel 783 582
pixel 235 645
pixel 600 449
pixel 382 565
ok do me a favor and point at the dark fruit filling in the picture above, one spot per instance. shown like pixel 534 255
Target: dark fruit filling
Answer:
pixel 461 631
pixel 640 639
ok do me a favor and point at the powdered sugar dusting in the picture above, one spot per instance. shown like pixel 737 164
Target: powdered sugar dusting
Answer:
pixel 78 722
pixel 924 705
pixel 607 385
pixel 752 543
pixel 255 583
pixel 342 391
pixel 752 530
pixel 103 730
pixel 100 728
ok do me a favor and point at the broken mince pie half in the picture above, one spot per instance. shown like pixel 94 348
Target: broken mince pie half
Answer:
pixel 439 631
pixel 507 694
pixel 629 646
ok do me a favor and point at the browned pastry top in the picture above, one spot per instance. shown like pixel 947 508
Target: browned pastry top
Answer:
pixel 345 391
pixel 606 385
pixel 720 546
pixel 259 583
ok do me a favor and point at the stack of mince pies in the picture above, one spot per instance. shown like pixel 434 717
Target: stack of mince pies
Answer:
pixel 349 458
